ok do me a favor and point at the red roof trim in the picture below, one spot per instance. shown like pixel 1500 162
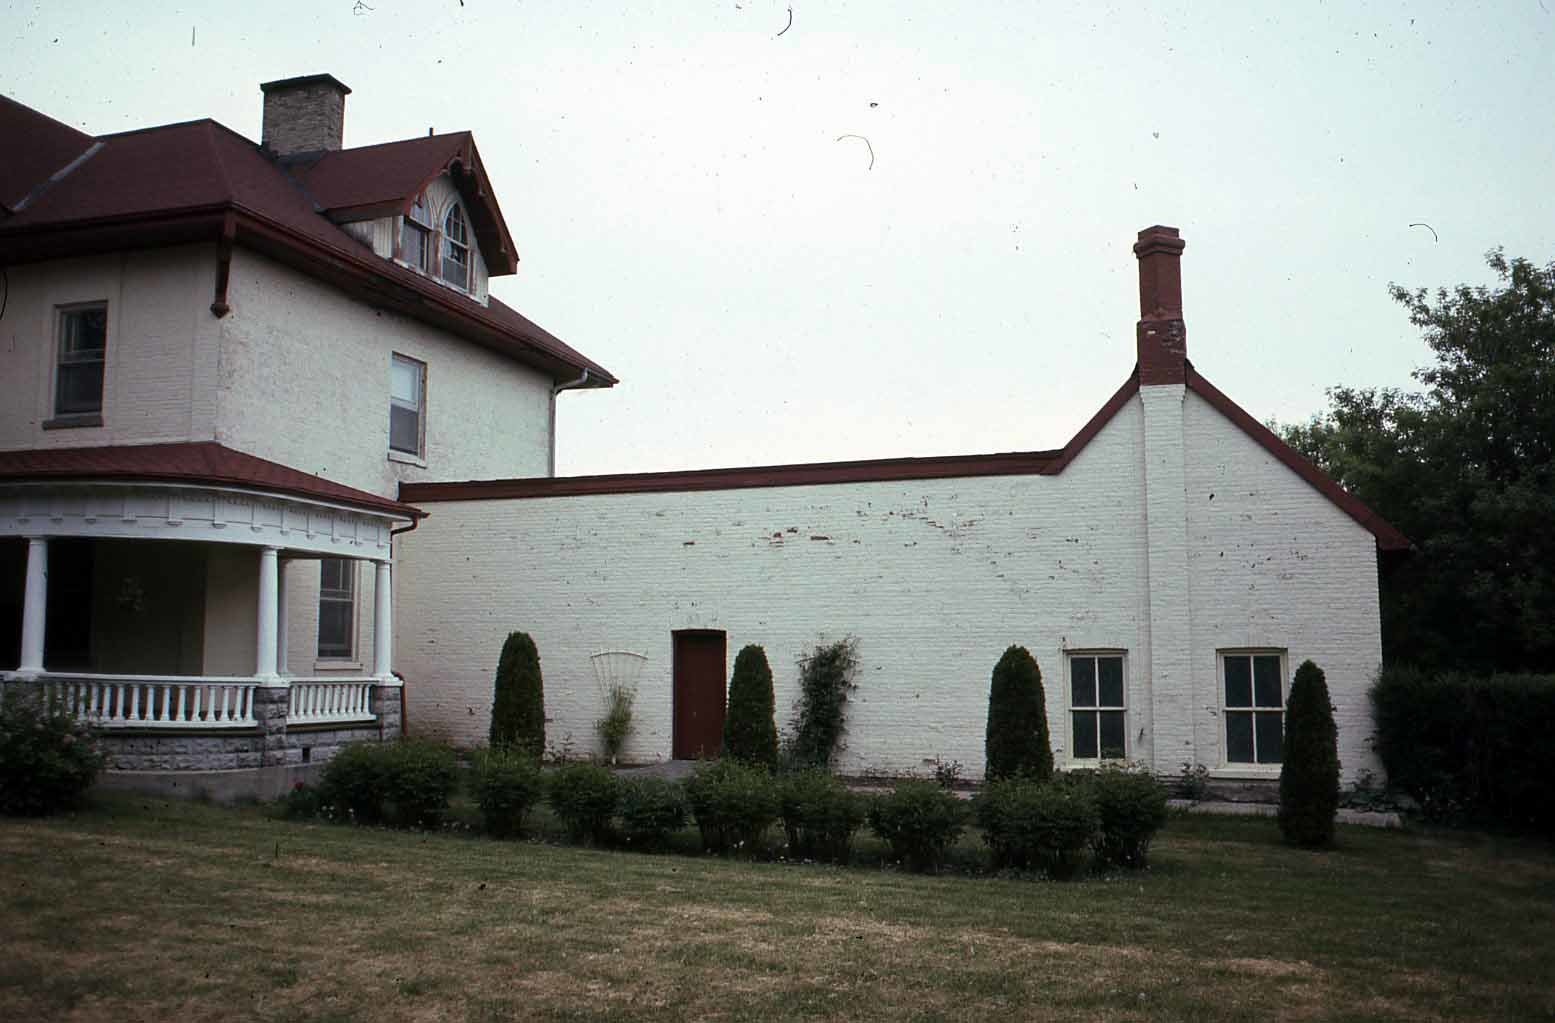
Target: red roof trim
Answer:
pixel 199 462
pixel 1103 416
pixel 1388 538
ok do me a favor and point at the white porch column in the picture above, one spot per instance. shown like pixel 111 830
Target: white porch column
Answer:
pixel 268 614
pixel 281 648
pixel 383 625
pixel 36 603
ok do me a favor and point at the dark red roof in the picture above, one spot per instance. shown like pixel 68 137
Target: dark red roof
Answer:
pixel 200 462
pixel 196 180
pixel 1020 463
pixel 49 148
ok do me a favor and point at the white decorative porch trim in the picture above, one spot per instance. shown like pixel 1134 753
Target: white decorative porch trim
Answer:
pixel 155 701
pixel 330 701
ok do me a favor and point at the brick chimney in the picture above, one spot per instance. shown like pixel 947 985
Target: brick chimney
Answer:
pixel 304 115
pixel 1162 337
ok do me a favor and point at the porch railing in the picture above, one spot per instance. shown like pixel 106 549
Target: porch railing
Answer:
pixel 138 701
pixel 317 701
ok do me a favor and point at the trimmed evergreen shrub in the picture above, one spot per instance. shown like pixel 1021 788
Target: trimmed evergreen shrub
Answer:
pixel 733 804
pixel 1309 770
pixel 1470 749
pixel 518 702
pixel 584 797
pixel 919 821
pixel 1132 807
pixel 403 784
pixel 820 815
pixel 508 784
pixel 820 712
pixel 750 733
pixel 1034 824
pixel 1017 738
pixel 48 759
pixel 651 809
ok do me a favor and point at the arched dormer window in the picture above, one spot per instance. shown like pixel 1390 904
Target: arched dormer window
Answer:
pixel 416 238
pixel 456 248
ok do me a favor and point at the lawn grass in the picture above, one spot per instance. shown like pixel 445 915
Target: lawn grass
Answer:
pixel 151 910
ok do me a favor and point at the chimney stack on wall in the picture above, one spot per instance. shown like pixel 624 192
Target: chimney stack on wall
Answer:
pixel 304 115
pixel 1162 337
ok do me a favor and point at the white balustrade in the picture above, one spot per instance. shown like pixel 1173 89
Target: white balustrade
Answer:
pixel 330 701
pixel 169 701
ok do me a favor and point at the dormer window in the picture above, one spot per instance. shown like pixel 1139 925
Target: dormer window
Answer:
pixel 416 238
pixel 456 249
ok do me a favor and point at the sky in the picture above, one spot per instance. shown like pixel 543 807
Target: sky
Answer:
pixel 695 210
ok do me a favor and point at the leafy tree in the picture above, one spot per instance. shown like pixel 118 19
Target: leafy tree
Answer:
pixel 1466 469
pixel 820 713
pixel 518 705
pixel 1309 771
pixel 750 732
pixel 1017 740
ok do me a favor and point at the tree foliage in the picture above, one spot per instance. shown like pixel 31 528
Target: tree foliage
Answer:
pixel 820 713
pixel 750 732
pixel 1017 738
pixel 518 704
pixel 1309 772
pixel 1466 469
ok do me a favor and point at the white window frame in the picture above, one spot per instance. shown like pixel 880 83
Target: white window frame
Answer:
pixel 334 596
pixel 455 249
pixel 418 218
pixel 1098 708
pixel 1226 763
pixel 419 407
pixel 62 316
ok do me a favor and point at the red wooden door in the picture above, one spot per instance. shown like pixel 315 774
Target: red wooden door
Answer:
pixel 700 657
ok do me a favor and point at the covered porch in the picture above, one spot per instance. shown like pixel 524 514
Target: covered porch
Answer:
pixel 168 612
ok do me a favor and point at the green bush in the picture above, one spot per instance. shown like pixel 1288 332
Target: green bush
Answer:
pixel 1132 806
pixel 1309 768
pixel 820 713
pixel 733 804
pixel 820 815
pixel 584 797
pixel 1017 738
pixel 750 733
pixel 508 784
pixel 403 784
pixel 48 759
pixel 302 803
pixel 1034 824
pixel 1470 749
pixel 919 821
pixel 518 702
pixel 651 810
pixel 616 726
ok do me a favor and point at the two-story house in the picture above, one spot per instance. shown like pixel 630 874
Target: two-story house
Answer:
pixel 219 361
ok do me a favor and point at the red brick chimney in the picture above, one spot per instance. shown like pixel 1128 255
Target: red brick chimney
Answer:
pixel 1162 337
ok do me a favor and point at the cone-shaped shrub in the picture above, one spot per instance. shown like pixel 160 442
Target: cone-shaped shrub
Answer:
pixel 750 732
pixel 1309 775
pixel 518 705
pixel 1017 742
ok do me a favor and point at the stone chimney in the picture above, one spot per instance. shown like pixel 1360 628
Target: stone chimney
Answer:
pixel 304 115
pixel 1162 337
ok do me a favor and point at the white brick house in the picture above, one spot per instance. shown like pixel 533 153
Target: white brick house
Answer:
pixel 234 372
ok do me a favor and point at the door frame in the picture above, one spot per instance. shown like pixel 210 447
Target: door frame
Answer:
pixel 675 635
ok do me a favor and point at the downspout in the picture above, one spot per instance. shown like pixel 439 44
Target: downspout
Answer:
pixel 582 381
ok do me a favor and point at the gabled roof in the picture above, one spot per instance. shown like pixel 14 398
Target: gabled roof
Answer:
pixel 201 462
pixel 1018 463
pixel 198 180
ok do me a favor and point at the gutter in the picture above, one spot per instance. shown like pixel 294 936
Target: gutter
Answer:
pixel 570 385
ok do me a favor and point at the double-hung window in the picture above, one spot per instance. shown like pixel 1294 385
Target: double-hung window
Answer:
pixel 1096 707
pixel 1252 683
pixel 416 236
pixel 407 403
pixel 456 249
pixel 337 608
pixel 83 347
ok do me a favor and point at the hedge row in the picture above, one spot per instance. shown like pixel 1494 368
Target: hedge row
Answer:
pixel 1470 749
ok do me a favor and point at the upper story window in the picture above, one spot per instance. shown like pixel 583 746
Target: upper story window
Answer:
pixel 1254 706
pixel 407 400
pixel 1096 707
pixel 456 248
pixel 83 348
pixel 416 237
